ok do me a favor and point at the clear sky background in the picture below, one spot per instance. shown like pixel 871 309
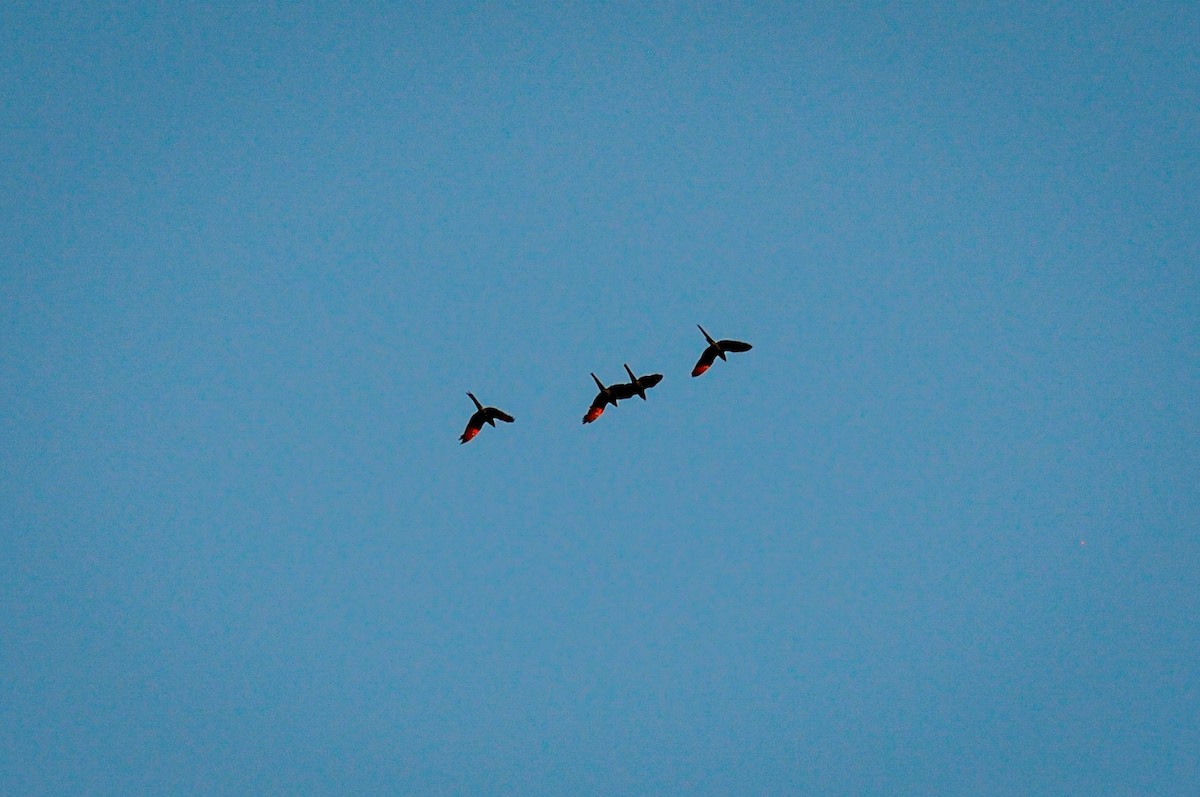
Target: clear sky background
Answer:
pixel 938 533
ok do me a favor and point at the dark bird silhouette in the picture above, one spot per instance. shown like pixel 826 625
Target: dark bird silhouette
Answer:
pixel 716 348
pixel 637 386
pixel 482 415
pixel 603 398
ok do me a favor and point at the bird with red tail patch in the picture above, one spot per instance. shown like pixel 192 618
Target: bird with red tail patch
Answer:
pixel 716 348
pixel 482 415
pixel 603 399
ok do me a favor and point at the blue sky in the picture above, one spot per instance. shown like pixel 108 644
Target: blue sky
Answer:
pixel 936 534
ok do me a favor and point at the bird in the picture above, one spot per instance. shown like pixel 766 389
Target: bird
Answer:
pixel 716 348
pixel 636 386
pixel 481 416
pixel 603 398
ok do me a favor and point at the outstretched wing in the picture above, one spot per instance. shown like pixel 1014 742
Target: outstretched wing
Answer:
pixel 499 415
pixel 735 345
pixel 706 360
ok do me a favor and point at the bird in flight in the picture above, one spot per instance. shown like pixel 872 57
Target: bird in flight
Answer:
pixel 481 416
pixel 604 397
pixel 636 386
pixel 716 348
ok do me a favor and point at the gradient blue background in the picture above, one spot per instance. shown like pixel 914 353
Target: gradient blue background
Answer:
pixel 939 533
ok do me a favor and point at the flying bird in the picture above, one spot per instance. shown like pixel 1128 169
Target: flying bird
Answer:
pixel 603 398
pixel 636 386
pixel 716 348
pixel 482 415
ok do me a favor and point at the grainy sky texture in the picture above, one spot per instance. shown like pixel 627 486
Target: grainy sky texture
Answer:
pixel 937 534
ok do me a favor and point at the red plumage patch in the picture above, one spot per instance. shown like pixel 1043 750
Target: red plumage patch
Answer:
pixel 699 369
pixel 593 414
pixel 469 434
